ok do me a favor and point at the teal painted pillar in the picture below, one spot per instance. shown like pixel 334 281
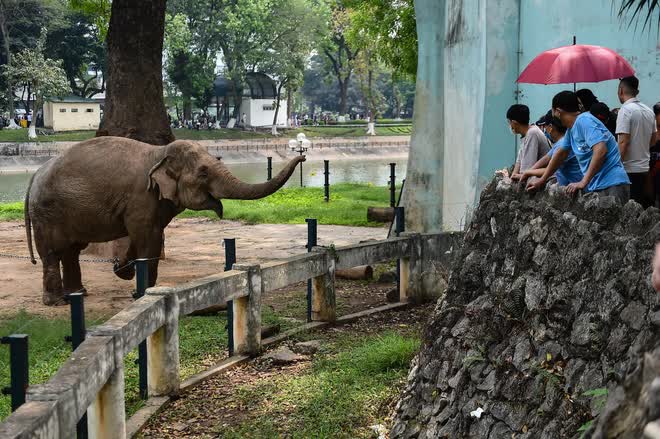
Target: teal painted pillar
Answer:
pixel 423 196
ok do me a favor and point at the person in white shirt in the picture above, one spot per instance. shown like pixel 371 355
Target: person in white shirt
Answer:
pixel 636 133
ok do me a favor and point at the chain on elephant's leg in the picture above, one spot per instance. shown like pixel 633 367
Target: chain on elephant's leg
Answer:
pixel 125 255
pixel 53 293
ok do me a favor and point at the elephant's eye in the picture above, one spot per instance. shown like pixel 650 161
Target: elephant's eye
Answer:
pixel 203 173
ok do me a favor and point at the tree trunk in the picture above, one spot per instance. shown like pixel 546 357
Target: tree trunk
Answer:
pixel 32 131
pixel 10 86
pixel 343 93
pixel 187 107
pixel 134 106
pixel 289 107
pixel 277 109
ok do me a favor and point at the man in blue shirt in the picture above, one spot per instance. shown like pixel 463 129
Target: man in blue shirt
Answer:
pixel 594 147
pixel 569 171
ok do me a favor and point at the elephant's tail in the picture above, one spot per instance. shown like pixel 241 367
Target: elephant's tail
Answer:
pixel 28 222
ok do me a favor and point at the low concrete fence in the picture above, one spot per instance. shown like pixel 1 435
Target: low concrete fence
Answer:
pixel 49 149
pixel 92 380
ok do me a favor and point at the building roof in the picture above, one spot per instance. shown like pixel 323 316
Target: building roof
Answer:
pixel 257 86
pixel 72 99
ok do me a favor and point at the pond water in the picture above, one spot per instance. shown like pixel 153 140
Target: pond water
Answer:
pixel 377 172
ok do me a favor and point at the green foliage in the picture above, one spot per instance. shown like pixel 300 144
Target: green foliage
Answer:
pixel 44 76
pixel 98 10
pixel 390 27
pixel 78 42
pixel 348 206
pixel 599 399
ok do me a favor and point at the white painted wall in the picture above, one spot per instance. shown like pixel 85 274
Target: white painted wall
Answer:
pixel 60 116
pixel 257 116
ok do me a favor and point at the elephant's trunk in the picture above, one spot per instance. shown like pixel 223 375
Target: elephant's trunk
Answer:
pixel 230 187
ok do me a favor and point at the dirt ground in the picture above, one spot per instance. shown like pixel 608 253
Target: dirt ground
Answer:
pixel 193 250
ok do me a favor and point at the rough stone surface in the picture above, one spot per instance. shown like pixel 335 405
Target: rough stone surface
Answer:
pixel 283 355
pixel 549 298
pixel 307 347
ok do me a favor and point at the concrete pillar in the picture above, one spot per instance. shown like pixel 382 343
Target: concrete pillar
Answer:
pixel 410 283
pixel 163 348
pixel 324 306
pixel 424 191
pixel 106 417
pixel 247 314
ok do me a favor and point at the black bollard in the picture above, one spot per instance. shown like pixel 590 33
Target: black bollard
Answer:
pixel 78 331
pixel 230 260
pixel 19 369
pixel 270 168
pixel 392 185
pixel 141 282
pixel 326 183
pixel 311 243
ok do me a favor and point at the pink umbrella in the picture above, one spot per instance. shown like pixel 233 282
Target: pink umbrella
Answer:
pixel 576 63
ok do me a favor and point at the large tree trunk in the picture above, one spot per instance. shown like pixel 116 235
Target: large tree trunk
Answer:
pixel 134 106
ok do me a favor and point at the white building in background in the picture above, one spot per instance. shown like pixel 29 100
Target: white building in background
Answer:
pixel 71 113
pixel 258 101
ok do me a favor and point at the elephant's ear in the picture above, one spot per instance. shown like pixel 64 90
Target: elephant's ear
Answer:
pixel 166 180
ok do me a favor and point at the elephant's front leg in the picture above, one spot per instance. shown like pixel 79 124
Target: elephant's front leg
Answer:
pixel 124 252
pixel 72 277
pixel 52 287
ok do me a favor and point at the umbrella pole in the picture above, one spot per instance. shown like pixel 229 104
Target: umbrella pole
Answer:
pixel 574 84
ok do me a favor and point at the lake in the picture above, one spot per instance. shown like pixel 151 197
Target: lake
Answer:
pixel 376 172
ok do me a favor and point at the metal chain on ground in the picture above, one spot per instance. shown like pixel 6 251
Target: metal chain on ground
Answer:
pixel 93 260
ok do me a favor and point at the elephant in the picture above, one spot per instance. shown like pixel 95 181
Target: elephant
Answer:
pixel 107 188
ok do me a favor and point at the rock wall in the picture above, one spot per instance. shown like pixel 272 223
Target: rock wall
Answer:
pixel 549 304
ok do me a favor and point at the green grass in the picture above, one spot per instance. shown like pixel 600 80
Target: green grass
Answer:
pixel 338 397
pixel 64 136
pixel 348 206
pixel 11 211
pixel 234 134
pixel 47 348
pixel 201 341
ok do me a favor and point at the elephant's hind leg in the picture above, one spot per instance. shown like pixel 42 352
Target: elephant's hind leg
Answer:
pixel 71 270
pixel 53 293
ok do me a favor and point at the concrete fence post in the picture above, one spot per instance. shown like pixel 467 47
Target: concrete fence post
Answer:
pixel 410 270
pixel 324 305
pixel 106 417
pixel 163 348
pixel 247 314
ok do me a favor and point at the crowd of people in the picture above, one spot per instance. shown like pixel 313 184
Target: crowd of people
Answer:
pixel 581 144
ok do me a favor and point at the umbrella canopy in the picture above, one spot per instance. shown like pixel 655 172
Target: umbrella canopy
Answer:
pixel 576 63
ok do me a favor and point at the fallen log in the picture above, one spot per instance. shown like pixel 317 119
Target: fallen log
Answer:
pixel 363 272
pixel 210 311
pixel 380 214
